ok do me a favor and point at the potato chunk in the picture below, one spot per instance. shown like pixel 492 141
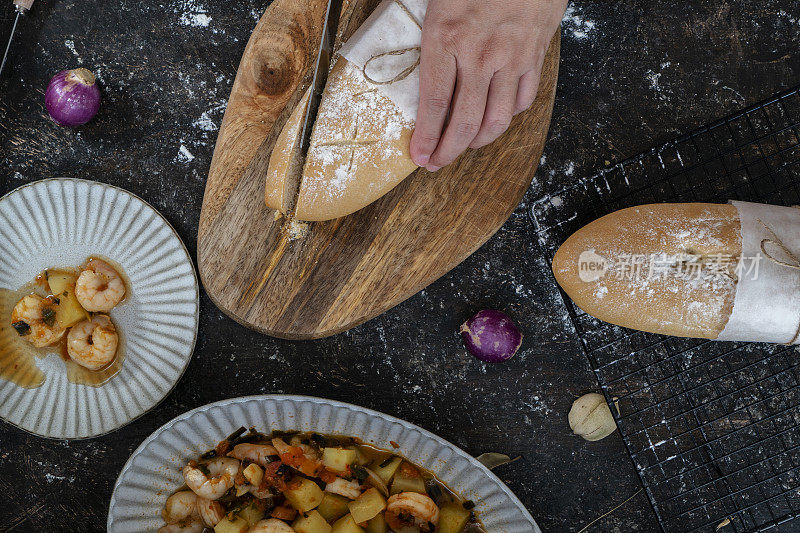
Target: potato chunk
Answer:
pixel 68 311
pixel 367 506
pixel 254 474
pixel 377 525
pixel 333 506
pixel 252 513
pixel 453 518
pixel 338 459
pixel 312 522
pixel 386 473
pixel 303 494
pixel 346 524
pixel 408 479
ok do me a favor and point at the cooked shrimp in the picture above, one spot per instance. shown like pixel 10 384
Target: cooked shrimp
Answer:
pixel 298 457
pixel 272 525
pixel 210 512
pixel 188 525
pixel 222 470
pixel 99 287
pixel 308 451
pixel 261 494
pixel 342 487
pixel 93 343
pixel 256 453
pixel 179 506
pixel 411 509
pixel 35 319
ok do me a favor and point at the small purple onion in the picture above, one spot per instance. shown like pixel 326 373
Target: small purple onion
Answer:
pixel 491 336
pixel 72 97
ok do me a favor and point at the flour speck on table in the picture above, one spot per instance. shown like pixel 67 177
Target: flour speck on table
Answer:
pixel 632 74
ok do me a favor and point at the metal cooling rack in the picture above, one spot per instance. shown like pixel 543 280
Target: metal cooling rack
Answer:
pixel 713 428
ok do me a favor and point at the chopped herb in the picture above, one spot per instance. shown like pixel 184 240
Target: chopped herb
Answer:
pixel 434 492
pixel 210 454
pixel 252 436
pixel 387 462
pixel 236 434
pixel 359 472
pixel 469 505
pixel 285 435
pixel 22 328
pixel 48 316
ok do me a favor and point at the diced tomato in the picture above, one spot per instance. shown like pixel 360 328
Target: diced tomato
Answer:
pixel 295 458
pixel 408 470
pixel 327 476
pixel 271 478
pixel 284 513
pixel 272 467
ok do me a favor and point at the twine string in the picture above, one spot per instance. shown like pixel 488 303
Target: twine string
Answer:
pixel 403 74
pixel 794 265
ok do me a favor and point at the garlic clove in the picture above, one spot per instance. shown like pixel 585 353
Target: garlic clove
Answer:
pixel 590 417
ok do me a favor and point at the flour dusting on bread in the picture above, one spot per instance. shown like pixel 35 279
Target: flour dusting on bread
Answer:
pixel 359 147
pixel 670 268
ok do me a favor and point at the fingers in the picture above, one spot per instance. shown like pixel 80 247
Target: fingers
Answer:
pixel 437 80
pixel 528 87
pixel 469 103
pixel 500 107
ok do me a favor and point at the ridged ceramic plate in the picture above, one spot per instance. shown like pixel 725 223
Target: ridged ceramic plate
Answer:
pixel 154 470
pixel 60 222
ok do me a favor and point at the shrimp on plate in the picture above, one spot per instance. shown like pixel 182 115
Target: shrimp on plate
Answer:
pixel 262 454
pixel 210 511
pixel 93 343
pixel 34 319
pixel 99 287
pixel 179 506
pixel 221 477
pixel 412 509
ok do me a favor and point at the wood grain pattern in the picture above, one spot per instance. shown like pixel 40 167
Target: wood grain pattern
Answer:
pixel 350 269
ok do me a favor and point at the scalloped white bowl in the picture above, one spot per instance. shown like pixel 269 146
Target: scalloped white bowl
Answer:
pixel 66 221
pixel 154 470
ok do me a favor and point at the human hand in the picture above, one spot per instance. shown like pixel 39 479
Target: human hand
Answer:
pixel 480 65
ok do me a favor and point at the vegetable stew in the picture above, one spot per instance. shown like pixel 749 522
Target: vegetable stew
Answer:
pixel 311 483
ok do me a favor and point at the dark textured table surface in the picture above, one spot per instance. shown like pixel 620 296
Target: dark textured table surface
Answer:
pixel 632 74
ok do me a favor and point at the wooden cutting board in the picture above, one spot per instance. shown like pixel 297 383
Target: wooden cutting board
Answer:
pixel 348 270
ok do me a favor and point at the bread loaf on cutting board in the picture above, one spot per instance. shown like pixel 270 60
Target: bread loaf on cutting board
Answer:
pixel 667 300
pixel 359 150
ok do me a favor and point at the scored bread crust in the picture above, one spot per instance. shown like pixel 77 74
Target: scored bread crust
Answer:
pixel 279 187
pixel 359 150
pixel 670 301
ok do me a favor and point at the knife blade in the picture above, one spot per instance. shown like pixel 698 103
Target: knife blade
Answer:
pixel 21 7
pixel 320 76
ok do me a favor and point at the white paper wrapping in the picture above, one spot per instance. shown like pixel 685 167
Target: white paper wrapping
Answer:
pixel 388 29
pixel 767 305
